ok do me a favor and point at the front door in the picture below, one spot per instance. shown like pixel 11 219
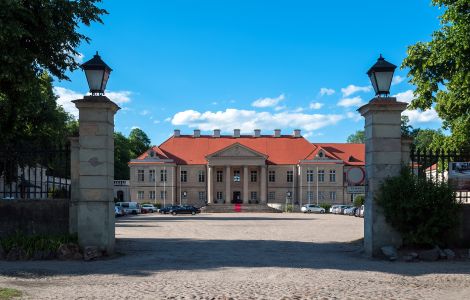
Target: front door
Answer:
pixel 237 197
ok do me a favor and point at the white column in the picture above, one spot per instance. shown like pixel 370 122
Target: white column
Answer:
pixel 245 184
pixel 383 159
pixel 263 186
pixel 210 185
pixel 228 197
pixel 95 217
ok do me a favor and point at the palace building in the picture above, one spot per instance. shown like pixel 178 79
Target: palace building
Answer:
pixel 250 169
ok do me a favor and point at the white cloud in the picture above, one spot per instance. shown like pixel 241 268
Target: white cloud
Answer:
pixel 298 109
pixel 246 120
pixel 268 102
pixel 316 105
pixel 135 127
pixel 144 112
pixel 79 57
pixel 278 108
pixel 156 122
pixel 119 97
pixel 326 91
pixel 348 102
pixel 406 96
pixel 397 80
pixel 168 119
pixel 356 117
pixel 418 116
pixel 214 103
pixel 352 89
pixel 65 97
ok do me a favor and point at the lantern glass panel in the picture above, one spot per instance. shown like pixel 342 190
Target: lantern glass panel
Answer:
pixel 95 78
pixel 384 80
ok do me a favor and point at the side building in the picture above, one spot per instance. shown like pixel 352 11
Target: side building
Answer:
pixel 268 169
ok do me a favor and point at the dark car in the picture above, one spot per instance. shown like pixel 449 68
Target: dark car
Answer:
pixel 168 209
pixel 187 209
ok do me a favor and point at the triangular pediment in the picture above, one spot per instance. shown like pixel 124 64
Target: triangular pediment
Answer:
pixel 237 150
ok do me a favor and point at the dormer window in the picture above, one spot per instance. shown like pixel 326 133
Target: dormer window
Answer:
pixel 320 154
pixel 151 153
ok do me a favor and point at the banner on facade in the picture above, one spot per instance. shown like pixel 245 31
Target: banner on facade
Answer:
pixel 358 189
pixel 459 175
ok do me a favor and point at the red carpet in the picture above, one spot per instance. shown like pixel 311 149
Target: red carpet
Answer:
pixel 238 207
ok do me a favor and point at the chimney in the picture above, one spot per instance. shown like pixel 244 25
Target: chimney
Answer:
pixel 216 132
pixel 257 133
pixel 236 133
pixel 277 132
pixel 197 133
pixel 296 133
pixel 176 133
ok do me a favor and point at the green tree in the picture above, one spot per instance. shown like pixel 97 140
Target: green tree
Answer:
pixel 427 138
pixel 122 156
pixel 440 70
pixel 139 142
pixel 37 36
pixel 357 138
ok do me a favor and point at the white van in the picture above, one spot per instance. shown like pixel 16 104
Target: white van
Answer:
pixel 130 207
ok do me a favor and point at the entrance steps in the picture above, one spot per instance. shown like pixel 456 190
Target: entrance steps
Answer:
pixel 233 208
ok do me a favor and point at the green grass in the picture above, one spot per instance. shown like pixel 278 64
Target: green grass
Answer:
pixel 7 293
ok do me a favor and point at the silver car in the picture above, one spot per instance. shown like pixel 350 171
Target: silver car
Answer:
pixel 311 208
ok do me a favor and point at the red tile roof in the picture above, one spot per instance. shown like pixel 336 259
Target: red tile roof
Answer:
pixel 284 150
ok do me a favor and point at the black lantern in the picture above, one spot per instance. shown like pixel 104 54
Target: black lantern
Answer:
pixel 381 75
pixel 97 74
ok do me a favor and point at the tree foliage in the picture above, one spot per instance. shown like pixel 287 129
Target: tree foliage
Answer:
pixel 37 37
pixel 424 211
pixel 139 142
pixel 440 70
pixel 357 138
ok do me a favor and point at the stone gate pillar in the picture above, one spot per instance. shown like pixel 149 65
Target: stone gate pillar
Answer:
pixel 383 159
pixel 74 183
pixel 95 214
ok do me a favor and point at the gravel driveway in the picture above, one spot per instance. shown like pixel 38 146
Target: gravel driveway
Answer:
pixel 238 256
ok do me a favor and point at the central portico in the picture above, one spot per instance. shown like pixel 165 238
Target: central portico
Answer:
pixel 236 174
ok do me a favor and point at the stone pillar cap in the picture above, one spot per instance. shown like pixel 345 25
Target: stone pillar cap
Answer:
pixel 96 101
pixel 382 104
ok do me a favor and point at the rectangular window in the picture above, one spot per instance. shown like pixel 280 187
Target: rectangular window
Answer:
pixel 333 196
pixel 163 176
pixel 254 196
pixel 152 175
pixel 152 195
pixel 309 175
pixel 140 175
pixel 219 196
pixel 254 176
pixel 272 196
pixel 236 176
pixel 140 195
pixel 202 176
pixel 309 196
pixel 184 194
pixel 321 196
pixel 272 176
pixel 163 195
pixel 321 175
pixel 290 176
pixel 202 196
pixel 220 176
pixel 332 175
pixel 184 176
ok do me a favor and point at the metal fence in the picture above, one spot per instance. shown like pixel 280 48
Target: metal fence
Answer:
pixel 434 165
pixel 35 174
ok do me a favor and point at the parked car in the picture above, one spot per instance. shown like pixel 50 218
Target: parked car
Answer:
pixel 167 209
pixel 357 212
pixel 148 208
pixel 350 210
pixel 119 211
pixel 187 209
pixel 130 207
pixel 333 208
pixel 311 208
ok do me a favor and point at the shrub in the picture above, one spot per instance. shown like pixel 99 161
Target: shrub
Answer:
pixel 359 200
pixel 326 206
pixel 33 243
pixel 425 212
pixel 289 208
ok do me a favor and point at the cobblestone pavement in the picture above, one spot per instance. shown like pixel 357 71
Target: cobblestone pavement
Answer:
pixel 238 256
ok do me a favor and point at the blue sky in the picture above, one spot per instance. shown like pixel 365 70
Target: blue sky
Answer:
pixel 251 64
